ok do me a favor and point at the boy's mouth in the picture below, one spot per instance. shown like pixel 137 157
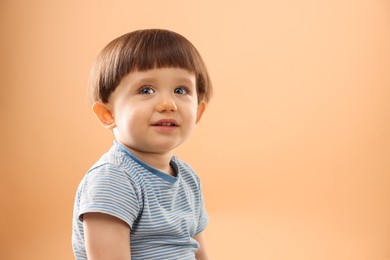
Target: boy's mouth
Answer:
pixel 166 122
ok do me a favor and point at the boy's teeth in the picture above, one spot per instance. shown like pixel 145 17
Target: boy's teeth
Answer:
pixel 166 124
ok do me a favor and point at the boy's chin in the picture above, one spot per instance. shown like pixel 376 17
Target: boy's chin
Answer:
pixel 161 148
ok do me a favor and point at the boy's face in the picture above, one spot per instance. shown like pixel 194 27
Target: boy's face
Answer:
pixel 156 110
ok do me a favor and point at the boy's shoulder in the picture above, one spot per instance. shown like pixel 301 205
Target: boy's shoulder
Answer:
pixel 115 163
pixel 114 158
pixel 183 166
pixel 186 171
pixel 113 169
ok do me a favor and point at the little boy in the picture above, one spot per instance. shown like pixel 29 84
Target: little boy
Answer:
pixel 150 87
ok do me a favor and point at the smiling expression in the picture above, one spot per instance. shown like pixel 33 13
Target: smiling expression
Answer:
pixel 155 110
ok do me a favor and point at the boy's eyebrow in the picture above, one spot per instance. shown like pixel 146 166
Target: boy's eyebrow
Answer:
pixel 186 80
pixel 148 80
pixel 145 80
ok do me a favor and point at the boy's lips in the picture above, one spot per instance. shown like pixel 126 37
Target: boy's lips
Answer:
pixel 166 123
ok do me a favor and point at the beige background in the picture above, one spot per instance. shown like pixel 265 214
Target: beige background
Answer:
pixel 293 152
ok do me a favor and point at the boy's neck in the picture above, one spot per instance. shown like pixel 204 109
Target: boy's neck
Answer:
pixel 158 161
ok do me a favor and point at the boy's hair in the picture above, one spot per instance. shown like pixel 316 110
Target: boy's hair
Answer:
pixel 143 50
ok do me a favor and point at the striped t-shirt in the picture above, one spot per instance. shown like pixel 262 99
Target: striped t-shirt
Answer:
pixel 164 212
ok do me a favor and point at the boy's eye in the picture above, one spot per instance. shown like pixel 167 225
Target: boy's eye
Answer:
pixel 181 91
pixel 146 91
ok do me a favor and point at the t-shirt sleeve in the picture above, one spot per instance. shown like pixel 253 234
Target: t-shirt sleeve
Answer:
pixel 107 189
pixel 203 217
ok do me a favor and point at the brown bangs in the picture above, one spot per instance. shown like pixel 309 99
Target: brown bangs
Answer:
pixel 143 50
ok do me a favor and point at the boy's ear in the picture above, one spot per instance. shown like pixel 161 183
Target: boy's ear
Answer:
pixel 201 109
pixel 104 114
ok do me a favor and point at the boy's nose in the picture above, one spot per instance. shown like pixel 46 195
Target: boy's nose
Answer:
pixel 166 105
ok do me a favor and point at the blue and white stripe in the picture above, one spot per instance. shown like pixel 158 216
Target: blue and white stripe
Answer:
pixel 163 212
